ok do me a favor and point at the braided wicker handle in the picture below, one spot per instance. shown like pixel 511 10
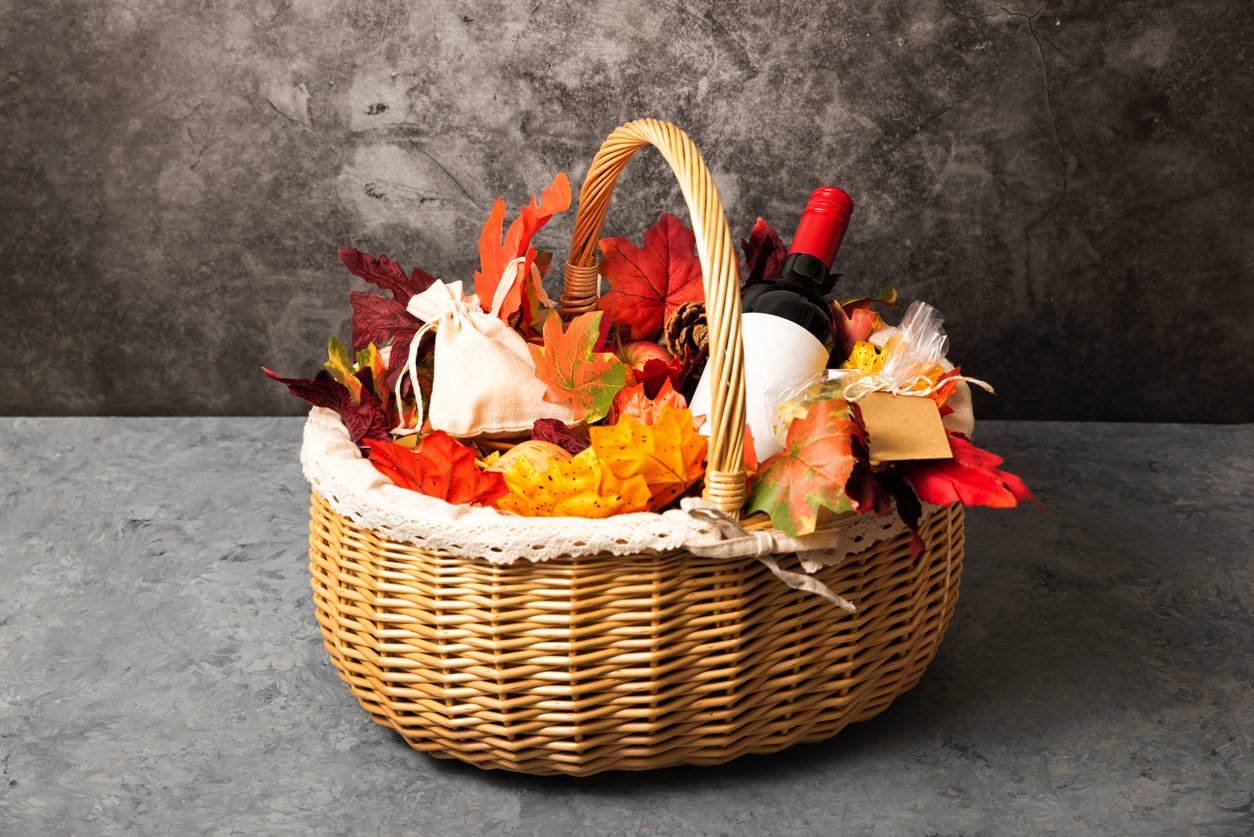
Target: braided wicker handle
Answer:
pixel 720 271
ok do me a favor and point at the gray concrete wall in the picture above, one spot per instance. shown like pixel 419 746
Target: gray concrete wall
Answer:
pixel 1069 182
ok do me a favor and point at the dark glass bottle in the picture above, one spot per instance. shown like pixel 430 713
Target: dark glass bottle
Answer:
pixel 798 294
pixel 787 327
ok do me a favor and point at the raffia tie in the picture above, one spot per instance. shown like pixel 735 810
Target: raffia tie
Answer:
pixel 920 385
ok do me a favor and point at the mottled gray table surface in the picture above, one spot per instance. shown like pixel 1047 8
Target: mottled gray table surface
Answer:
pixel 161 672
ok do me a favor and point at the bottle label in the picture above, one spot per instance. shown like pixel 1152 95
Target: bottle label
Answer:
pixel 775 349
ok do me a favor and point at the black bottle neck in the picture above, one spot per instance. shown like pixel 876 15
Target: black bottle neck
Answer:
pixel 805 269
pixel 796 301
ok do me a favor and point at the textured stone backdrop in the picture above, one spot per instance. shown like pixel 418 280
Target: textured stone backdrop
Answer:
pixel 1069 182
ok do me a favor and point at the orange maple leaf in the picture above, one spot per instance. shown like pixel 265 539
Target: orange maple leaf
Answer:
pixel 573 371
pixel 632 401
pixel 495 254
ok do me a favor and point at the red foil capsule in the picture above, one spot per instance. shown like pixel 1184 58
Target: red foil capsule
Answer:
pixel 823 224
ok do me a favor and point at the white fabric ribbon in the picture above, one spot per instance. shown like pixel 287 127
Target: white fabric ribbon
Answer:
pixel 732 540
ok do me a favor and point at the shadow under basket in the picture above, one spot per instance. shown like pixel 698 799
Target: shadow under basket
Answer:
pixel 637 662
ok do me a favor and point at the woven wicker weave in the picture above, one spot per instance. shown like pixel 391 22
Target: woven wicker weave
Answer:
pixel 602 662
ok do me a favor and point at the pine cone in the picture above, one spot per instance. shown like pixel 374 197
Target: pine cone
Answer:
pixel 686 330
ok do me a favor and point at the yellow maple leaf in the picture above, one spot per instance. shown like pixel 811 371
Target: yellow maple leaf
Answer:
pixel 669 453
pixel 582 487
pixel 864 356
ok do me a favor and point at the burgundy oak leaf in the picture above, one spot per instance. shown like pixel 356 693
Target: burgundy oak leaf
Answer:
pixel 764 254
pixel 322 390
pixel 379 320
pixel 386 274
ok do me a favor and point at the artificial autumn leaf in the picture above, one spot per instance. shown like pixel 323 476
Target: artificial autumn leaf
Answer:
pixel 764 255
pixel 657 373
pixel 669 453
pixel 810 472
pixel 536 304
pixel 495 254
pixel 855 319
pixel 971 477
pixel 853 327
pixel 343 369
pixel 321 390
pixel 365 418
pixel 882 490
pixel 543 261
pixel 750 455
pixel 424 361
pixel 582 487
pixel 648 283
pixel 386 274
pixel 572 371
pixel 382 321
pixel 370 358
pixel 556 432
pixel 439 467
pixel 945 386
pixel 633 401
pixel 871 490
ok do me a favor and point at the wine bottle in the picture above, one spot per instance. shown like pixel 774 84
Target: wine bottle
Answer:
pixel 787 326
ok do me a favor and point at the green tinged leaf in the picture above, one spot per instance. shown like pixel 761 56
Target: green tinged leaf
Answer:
pixel 369 358
pixel 572 370
pixel 341 367
pixel 811 472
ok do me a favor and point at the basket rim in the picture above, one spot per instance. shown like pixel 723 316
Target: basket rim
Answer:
pixel 336 470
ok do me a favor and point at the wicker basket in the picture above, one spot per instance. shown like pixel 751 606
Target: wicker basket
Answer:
pixel 604 662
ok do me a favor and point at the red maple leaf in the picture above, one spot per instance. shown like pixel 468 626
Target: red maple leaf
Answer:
pixel 648 283
pixel 657 372
pixel 811 471
pixel 495 253
pixel 572 370
pixel 439 467
pixel 971 477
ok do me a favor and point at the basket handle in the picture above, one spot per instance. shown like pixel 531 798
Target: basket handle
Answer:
pixel 720 272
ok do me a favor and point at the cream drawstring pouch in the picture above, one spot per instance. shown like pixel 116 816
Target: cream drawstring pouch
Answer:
pixel 484 382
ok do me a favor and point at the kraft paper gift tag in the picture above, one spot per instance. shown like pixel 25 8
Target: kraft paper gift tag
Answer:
pixel 900 427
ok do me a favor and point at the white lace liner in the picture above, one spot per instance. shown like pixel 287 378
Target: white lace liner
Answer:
pixel 357 491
